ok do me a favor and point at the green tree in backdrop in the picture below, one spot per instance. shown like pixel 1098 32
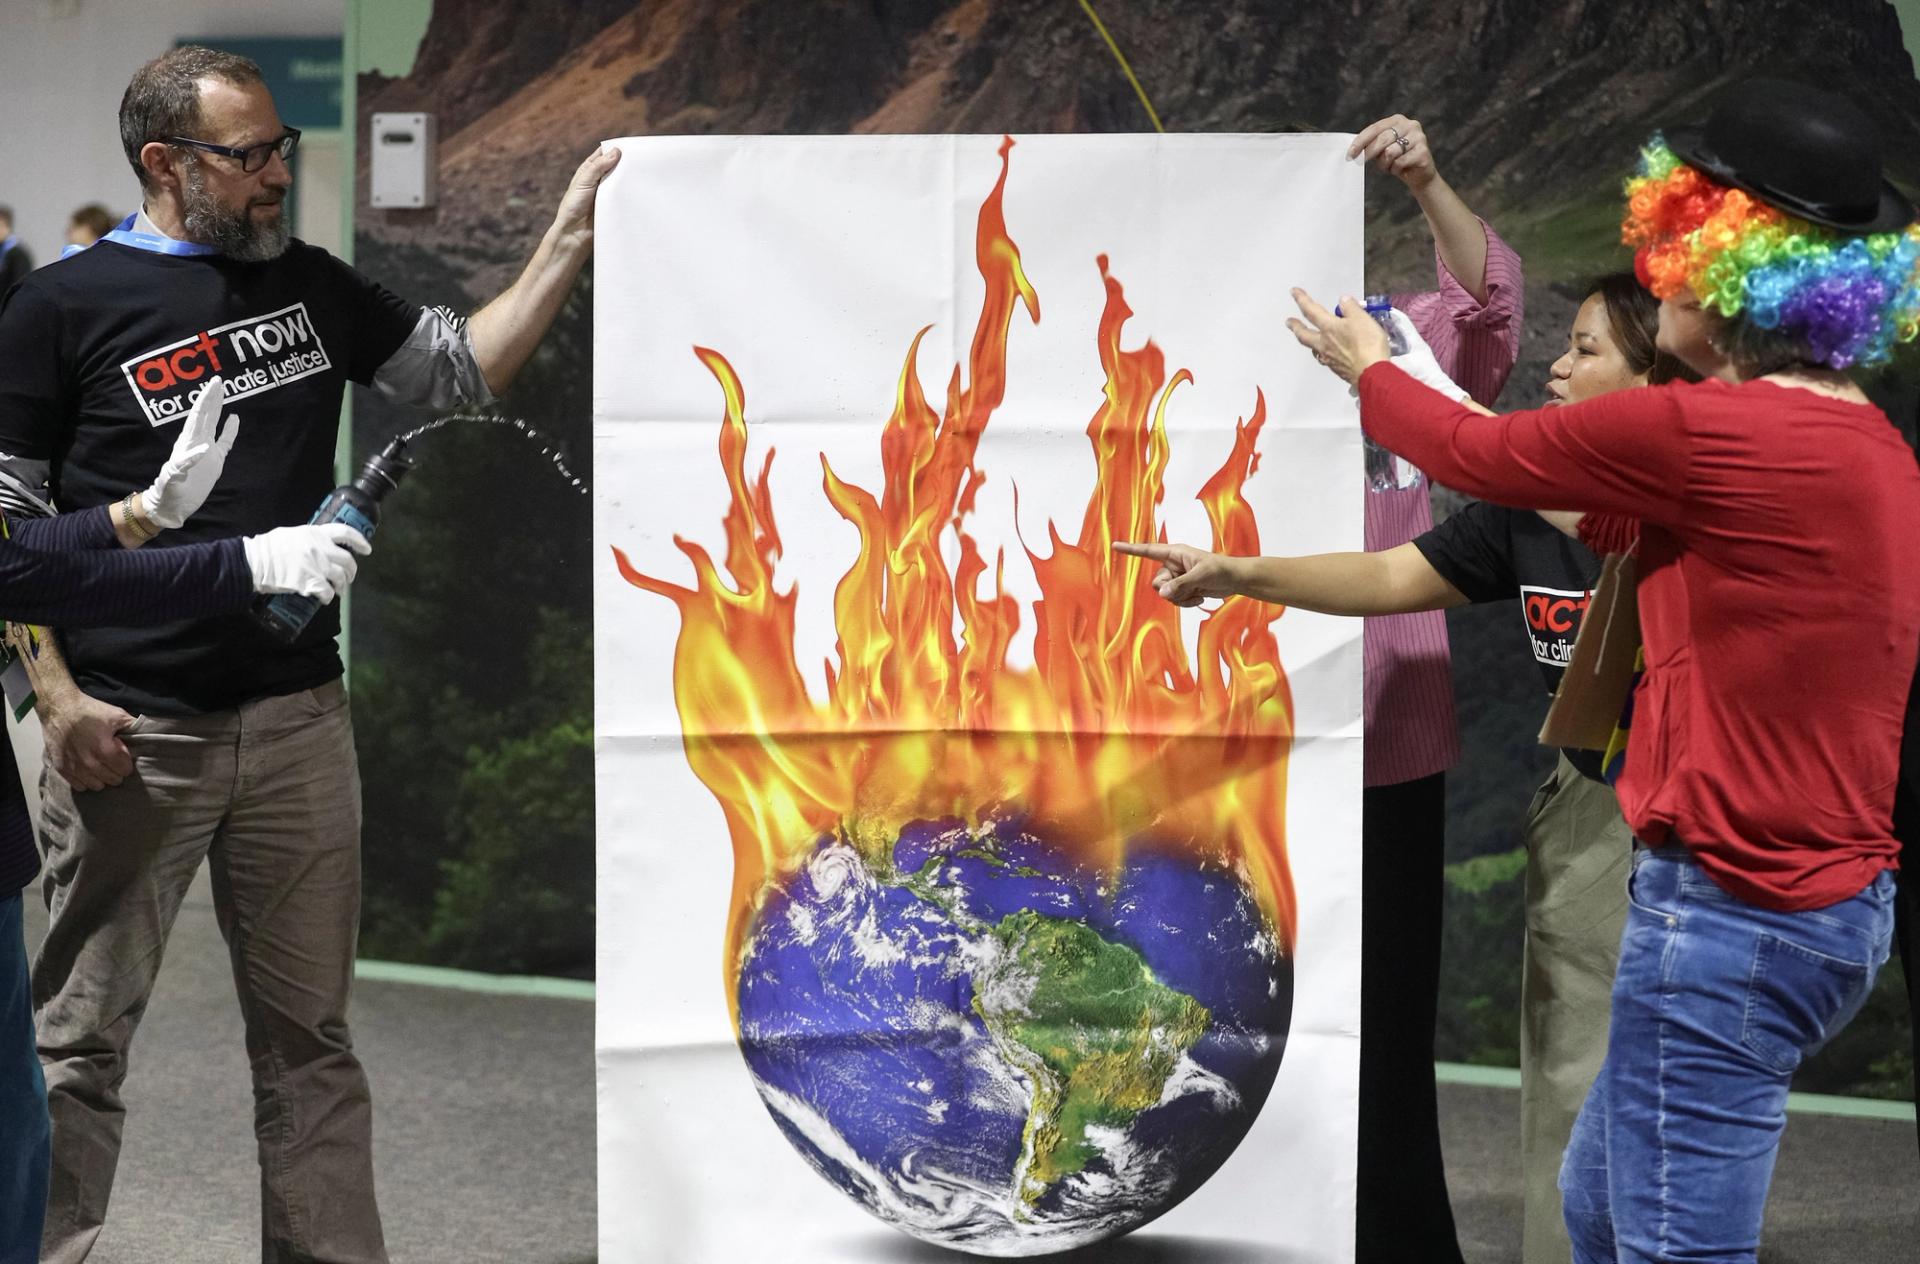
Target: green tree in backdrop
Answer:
pixel 473 672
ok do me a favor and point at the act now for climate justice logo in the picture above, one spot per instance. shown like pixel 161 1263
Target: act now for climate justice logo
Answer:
pixel 255 354
pixel 1553 621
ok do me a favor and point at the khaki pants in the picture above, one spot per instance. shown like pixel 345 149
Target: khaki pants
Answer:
pixel 1579 851
pixel 269 794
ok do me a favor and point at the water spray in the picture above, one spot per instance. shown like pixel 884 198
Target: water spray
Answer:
pixel 357 504
pixel 547 449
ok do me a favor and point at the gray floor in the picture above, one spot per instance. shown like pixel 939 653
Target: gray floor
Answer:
pixel 483 1119
pixel 1846 1191
pixel 485 1151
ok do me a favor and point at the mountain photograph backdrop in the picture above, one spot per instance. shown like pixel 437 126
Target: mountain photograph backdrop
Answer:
pixel 472 635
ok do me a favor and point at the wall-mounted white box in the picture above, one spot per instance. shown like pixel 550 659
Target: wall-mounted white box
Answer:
pixel 404 164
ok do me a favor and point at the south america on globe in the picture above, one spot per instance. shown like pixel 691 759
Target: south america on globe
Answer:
pixel 997 1049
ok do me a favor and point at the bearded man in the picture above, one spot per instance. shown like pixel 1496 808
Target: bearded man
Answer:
pixel 209 739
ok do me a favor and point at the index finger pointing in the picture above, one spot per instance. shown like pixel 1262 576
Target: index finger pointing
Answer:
pixel 1157 552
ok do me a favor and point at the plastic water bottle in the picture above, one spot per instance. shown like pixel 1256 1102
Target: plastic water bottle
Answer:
pixel 1384 470
pixel 357 504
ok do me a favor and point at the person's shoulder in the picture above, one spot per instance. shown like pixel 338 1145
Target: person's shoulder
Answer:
pixel 298 249
pixel 1480 519
pixel 307 257
pixel 1505 529
pixel 106 273
pixel 1484 515
pixel 83 267
pixel 64 284
pixel 1709 390
pixel 1761 396
pixel 1530 531
pixel 1669 400
pixel 316 264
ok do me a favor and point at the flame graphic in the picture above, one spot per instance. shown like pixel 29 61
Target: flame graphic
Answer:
pixel 1111 739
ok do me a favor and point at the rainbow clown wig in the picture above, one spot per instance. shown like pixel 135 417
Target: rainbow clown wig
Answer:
pixel 1845 299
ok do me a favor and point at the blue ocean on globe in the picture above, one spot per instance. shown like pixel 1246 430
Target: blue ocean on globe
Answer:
pixel 995 1047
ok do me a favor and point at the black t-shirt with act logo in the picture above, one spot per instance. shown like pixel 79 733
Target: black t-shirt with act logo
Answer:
pixel 101 358
pixel 1491 553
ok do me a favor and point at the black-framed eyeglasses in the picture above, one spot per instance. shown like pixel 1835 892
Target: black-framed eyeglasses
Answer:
pixel 253 157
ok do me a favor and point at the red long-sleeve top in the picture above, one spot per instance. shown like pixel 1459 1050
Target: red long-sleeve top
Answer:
pixel 1779 605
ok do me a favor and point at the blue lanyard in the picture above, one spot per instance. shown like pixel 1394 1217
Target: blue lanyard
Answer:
pixel 153 243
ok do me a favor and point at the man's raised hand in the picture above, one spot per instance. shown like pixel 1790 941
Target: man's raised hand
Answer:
pixel 1396 145
pixel 575 216
pixel 193 467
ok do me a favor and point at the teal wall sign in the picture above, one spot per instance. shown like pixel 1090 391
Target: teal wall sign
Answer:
pixel 304 76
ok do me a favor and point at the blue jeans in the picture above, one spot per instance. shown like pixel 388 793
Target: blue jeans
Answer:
pixel 23 1100
pixel 1715 1004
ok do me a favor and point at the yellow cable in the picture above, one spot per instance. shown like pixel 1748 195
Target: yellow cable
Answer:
pixel 1121 57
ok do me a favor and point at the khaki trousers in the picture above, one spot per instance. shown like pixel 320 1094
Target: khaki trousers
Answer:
pixel 1579 852
pixel 269 795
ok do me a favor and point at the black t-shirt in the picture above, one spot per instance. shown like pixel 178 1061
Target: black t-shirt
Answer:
pixel 103 354
pixel 1491 553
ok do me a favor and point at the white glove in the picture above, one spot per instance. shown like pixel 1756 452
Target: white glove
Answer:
pixel 194 465
pixel 314 561
pixel 1418 359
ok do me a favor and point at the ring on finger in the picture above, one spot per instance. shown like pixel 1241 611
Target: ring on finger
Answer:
pixel 1396 135
pixel 1406 145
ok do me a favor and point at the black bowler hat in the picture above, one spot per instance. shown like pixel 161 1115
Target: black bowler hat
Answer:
pixel 1800 150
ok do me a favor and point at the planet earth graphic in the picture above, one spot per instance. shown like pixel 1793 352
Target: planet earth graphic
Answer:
pixel 999 1048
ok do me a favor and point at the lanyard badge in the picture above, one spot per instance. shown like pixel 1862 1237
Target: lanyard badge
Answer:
pixel 153 243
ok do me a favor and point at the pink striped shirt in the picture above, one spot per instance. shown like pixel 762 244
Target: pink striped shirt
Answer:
pixel 1410 726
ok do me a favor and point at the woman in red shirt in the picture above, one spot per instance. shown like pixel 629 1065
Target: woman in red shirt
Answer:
pixel 1577 845
pixel 1780 606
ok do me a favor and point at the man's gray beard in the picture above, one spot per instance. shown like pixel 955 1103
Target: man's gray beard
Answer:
pixel 233 233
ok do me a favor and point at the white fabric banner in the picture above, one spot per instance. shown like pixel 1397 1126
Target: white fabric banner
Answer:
pixel 952 884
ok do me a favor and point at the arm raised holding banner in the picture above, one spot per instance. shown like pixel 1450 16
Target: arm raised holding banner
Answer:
pixel 1397 145
pixel 506 331
pixel 1473 317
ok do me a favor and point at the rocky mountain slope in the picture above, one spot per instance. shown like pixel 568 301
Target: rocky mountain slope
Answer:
pixel 1535 108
